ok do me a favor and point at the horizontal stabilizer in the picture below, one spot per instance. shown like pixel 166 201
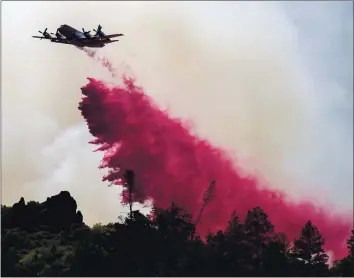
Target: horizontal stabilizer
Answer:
pixel 112 41
pixel 113 36
pixel 37 37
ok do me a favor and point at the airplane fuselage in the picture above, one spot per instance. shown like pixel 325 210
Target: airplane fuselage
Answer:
pixel 78 38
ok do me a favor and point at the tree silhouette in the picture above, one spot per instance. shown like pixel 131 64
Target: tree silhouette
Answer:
pixel 237 246
pixel 129 179
pixel 38 241
pixel 275 259
pixel 308 252
pixel 345 267
pixel 207 197
pixel 258 231
pixel 350 245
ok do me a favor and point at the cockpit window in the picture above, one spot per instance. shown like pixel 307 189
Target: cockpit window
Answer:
pixel 80 35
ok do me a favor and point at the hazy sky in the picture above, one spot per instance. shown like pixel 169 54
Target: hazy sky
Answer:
pixel 270 81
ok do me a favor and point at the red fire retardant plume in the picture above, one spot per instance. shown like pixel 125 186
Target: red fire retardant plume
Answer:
pixel 172 165
pixel 101 59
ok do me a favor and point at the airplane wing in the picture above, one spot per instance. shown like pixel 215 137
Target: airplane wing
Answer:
pixel 53 40
pixel 61 41
pixel 37 37
pixel 105 37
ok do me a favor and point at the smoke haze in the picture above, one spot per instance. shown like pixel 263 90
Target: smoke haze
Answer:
pixel 281 71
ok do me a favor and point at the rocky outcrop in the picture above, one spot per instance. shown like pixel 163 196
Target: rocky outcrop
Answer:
pixel 57 213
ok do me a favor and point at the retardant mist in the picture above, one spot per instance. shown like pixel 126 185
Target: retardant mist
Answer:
pixel 173 165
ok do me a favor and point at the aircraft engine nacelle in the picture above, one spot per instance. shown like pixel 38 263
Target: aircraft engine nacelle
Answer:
pixel 99 33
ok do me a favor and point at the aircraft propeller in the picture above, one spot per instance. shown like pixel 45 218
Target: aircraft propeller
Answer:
pixel 58 35
pixel 44 33
pixel 85 32
pixel 98 31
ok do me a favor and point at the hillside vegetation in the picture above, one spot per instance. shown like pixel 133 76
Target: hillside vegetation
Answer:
pixel 51 239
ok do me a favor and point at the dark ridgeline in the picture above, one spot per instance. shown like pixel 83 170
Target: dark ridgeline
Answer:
pixel 50 239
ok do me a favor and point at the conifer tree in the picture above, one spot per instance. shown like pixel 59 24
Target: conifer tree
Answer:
pixel 258 231
pixel 309 253
pixel 350 245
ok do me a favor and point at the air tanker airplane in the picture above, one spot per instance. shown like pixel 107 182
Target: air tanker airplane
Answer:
pixel 68 35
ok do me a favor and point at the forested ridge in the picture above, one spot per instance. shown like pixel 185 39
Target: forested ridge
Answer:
pixel 51 239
